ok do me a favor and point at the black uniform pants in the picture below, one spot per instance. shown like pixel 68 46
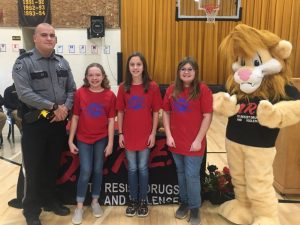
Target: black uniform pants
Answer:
pixel 42 144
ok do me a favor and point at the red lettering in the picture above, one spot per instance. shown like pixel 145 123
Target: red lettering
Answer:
pixel 159 155
pixel 248 108
pixel 69 174
pixel 242 107
pixel 118 162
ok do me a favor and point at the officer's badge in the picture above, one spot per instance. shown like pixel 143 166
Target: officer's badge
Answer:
pixel 18 66
pixel 60 67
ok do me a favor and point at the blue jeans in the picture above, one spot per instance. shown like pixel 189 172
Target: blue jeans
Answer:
pixel 91 163
pixel 138 173
pixel 188 174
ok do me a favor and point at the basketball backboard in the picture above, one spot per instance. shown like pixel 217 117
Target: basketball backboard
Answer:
pixel 223 10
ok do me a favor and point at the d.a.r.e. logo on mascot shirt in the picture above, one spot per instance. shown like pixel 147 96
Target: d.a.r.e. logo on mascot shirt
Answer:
pixel 261 99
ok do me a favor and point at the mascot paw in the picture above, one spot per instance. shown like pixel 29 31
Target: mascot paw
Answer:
pixel 225 104
pixel 236 212
pixel 266 221
pixel 266 114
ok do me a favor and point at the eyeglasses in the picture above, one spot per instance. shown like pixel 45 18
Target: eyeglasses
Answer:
pixel 186 70
pixel 45 35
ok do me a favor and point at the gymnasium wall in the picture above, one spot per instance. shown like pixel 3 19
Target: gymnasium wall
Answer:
pixel 66 13
pixel 149 26
pixel 71 19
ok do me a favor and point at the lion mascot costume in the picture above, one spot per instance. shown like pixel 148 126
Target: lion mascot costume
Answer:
pixel 261 99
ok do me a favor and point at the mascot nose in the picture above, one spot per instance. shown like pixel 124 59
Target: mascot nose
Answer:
pixel 244 74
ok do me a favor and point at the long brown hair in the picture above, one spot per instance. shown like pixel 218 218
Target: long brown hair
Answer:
pixel 145 75
pixel 105 82
pixel 179 86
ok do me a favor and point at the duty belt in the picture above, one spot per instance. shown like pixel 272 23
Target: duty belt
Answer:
pixel 35 115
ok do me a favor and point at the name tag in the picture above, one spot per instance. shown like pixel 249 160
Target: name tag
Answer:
pixel 39 75
pixel 62 73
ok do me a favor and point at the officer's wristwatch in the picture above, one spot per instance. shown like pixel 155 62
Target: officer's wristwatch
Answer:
pixel 54 107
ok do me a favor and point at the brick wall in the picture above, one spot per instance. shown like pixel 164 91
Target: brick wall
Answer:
pixel 10 13
pixel 67 13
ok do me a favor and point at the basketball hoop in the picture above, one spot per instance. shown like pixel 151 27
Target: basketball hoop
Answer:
pixel 211 12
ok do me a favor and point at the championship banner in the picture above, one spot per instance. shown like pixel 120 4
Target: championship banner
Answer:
pixel 162 188
pixel 34 12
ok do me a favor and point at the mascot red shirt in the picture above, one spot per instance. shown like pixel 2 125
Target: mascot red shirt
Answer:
pixel 261 99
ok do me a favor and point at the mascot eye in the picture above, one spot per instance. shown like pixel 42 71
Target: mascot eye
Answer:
pixel 256 62
pixel 243 62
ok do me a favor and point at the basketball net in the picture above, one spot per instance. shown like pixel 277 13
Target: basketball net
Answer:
pixel 211 12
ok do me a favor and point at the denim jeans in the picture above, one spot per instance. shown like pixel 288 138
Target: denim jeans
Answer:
pixel 188 174
pixel 138 174
pixel 91 163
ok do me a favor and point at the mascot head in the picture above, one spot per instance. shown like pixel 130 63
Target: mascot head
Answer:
pixel 259 60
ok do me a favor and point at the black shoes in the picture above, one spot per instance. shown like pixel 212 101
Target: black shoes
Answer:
pixel 142 210
pixel 139 209
pixel 131 208
pixel 58 209
pixel 15 203
pixel 33 221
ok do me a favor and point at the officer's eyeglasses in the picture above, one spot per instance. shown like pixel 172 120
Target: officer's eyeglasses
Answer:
pixel 186 70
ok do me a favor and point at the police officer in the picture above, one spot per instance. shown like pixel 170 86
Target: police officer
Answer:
pixel 43 81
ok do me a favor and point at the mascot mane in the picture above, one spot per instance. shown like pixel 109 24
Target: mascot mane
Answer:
pixel 244 41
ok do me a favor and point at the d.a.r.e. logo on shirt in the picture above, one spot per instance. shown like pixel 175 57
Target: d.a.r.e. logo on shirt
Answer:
pixel 181 105
pixel 136 102
pixel 95 110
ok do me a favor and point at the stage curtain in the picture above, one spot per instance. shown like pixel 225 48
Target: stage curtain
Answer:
pixel 149 26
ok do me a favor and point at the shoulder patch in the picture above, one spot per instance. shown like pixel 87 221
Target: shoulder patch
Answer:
pixel 26 54
pixel 18 66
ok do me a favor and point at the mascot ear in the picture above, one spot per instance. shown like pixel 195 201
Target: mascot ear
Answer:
pixel 284 49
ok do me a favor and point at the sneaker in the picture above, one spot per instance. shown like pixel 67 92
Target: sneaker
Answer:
pixel 96 209
pixel 77 217
pixel 182 211
pixel 131 208
pixel 194 217
pixel 142 210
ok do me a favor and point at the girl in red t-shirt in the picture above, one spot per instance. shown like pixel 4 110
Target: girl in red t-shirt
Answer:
pixel 138 103
pixel 187 116
pixel 93 122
